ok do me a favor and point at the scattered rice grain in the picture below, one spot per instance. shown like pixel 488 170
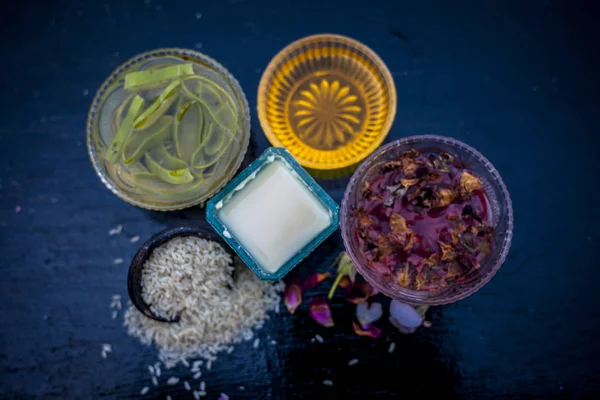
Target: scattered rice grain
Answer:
pixel 202 386
pixel 230 350
pixel 224 397
pixel 116 231
pixel 187 386
pixel 185 363
pixel 134 239
pixel 209 365
pixel 328 382
pixel 154 381
pixel 107 347
pixel 115 314
pixel 103 353
pixel 352 362
pixel 151 369
pixel 196 395
pixel 319 338
pixel 168 398
pixel 157 371
pixel 144 390
pixel 173 381
pixel 273 342
pixel 201 394
pixel 256 343
pixel 392 347
pixel 118 261
pixel 197 375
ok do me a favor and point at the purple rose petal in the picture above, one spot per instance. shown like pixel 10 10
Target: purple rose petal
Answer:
pixel 320 312
pixel 367 314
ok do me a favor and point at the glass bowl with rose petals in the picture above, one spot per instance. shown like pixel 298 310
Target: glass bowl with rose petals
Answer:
pixel 427 220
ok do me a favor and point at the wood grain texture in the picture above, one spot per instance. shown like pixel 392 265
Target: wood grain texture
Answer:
pixel 516 80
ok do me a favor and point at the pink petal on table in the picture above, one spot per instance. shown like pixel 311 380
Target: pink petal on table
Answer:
pixel 370 330
pixel 292 297
pixel 314 279
pixel 359 292
pixel 320 312
pixel 368 313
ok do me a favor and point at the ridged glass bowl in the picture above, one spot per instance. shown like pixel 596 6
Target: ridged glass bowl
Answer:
pixel 100 133
pixel 500 210
pixel 328 99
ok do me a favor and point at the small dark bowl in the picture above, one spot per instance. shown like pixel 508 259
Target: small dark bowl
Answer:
pixel 134 278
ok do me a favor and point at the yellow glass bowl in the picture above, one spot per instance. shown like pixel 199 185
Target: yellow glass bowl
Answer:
pixel 328 99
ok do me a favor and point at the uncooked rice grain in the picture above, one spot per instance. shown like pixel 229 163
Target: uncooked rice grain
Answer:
pixel 187 386
pixel 192 278
pixel 352 362
pixel 328 382
pixel 154 381
pixel 256 343
pixel 319 338
pixel 392 347
pixel 173 381
pixel 144 390
pixel 197 375
pixel 202 386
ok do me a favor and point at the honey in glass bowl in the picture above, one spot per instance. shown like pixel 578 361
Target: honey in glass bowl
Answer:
pixel 328 99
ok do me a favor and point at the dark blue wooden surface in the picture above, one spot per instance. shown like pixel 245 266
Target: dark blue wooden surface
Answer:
pixel 517 80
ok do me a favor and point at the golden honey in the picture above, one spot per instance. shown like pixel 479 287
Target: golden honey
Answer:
pixel 328 99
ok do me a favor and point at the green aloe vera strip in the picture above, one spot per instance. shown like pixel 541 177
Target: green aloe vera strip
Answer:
pixel 161 155
pixel 158 108
pixel 151 76
pixel 117 120
pixel 150 183
pixel 215 145
pixel 174 176
pixel 116 145
pixel 142 141
pixel 214 98
pixel 187 130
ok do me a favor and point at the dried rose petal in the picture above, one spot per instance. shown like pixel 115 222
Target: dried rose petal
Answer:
pixel 448 252
pixel 367 313
pixel 320 312
pixel 444 197
pixel 408 182
pixel 398 223
pixel 384 245
pixel 314 279
pixel 469 183
pixel 369 330
pixel 292 297
pixel 403 276
pixel 359 293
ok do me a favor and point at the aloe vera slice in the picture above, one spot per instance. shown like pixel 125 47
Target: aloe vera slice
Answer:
pixel 187 130
pixel 162 156
pixel 149 77
pixel 148 182
pixel 142 141
pixel 174 176
pixel 214 98
pixel 157 108
pixel 215 145
pixel 116 145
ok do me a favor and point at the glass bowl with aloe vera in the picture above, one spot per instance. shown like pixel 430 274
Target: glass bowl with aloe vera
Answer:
pixel 168 129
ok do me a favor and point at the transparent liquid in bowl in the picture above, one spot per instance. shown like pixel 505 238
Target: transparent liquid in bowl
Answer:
pixel 187 150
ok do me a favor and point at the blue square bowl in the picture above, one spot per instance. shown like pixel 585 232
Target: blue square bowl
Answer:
pixel 217 202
